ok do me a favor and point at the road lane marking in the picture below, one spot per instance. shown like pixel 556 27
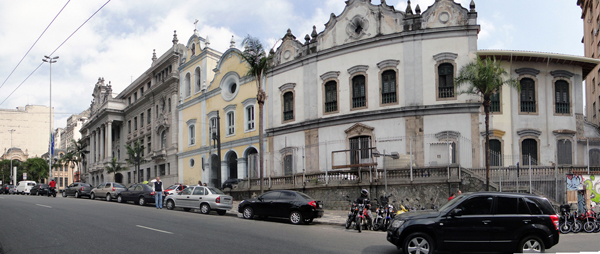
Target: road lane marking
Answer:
pixel 166 232
pixel 44 205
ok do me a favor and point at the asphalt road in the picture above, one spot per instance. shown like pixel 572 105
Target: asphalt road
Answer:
pixel 31 224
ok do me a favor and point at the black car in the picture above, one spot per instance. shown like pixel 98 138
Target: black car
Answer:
pixel 230 182
pixel 139 193
pixel 39 189
pixel 479 222
pixel 6 188
pixel 77 189
pixel 297 206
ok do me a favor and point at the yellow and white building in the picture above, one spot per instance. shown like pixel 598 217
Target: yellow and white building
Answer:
pixel 215 86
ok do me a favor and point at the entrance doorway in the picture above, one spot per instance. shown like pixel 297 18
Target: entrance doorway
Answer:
pixel 215 171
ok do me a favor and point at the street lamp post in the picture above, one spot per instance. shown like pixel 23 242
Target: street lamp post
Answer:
pixel 50 60
pixel 11 158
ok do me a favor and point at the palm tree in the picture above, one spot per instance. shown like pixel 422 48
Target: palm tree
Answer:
pixel 114 167
pixel 135 157
pixel 69 159
pixel 259 63
pixel 78 149
pixel 37 168
pixel 484 78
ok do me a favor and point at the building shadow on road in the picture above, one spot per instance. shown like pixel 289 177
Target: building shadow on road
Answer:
pixel 380 249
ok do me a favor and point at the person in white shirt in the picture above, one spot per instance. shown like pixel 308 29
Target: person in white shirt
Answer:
pixel 158 192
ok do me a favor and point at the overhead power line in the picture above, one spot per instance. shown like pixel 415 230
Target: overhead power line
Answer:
pixel 56 50
pixel 34 44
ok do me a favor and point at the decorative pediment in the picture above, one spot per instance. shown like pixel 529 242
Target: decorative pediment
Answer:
pixel 527 71
pixel 358 68
pixel 359 129
pixel 494 133
pixel 447 135
pixel 388 63
pixel 287 150
pixel 287 86
pixel 562 74
pixel 330 74
pixel 564 133
pixel 445 13
pixel 289 49
pixel 529 132
pixel 445 56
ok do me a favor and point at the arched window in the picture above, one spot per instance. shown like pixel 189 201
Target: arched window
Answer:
pixel 197 80
pixel 528 95
pixel 562 104
pixel 388 87
pixel 331 104
pixel 163 139
pixel 446 80
pixel 529 149
pixel 495 153
pixel 359 95
pixel 288 106
pixel 188 88
pixel 564 152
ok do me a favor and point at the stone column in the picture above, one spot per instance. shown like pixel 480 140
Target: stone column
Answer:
pixel 109 138
pixel 102 142
pixel 92 147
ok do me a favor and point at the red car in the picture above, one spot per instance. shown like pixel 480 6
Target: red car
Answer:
pixel 174 189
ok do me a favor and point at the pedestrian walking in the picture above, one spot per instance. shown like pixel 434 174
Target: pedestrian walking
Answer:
pixel 157 188
pixel 199 183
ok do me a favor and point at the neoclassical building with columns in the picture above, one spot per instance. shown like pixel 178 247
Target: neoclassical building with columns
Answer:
pixel 143 112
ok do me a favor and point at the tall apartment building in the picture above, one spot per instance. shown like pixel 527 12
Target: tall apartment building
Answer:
pixel 32 129
pixel 590 13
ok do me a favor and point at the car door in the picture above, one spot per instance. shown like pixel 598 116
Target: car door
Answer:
pixel 129 194
pixel 70 189
pixel 198 195
pixel 510 215
pixel 183 198
pixel 469 230
pixel 266 204
pixel 282 207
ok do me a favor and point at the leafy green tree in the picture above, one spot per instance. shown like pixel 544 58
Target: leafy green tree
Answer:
pixel 36 168
pixel 259 64
pixel 114 167
pixel 135 157
pixel 484 78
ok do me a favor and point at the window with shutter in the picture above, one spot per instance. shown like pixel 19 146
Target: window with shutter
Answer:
pixel 331 96
pixel 495 102
pixel 388 87
pixel 495 153
pixel 288 106
pixel 446 80
pixel 359 98
pixel 529 150
pixel 528 95
pixel 564 152
pixel 562 97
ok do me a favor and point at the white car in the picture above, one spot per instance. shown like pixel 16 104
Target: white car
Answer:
pixel 200 197
pixel 24 187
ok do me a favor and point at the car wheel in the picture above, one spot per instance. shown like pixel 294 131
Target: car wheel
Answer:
pixel 170 205
pixel 308 221
pixel 296 217
pixel 93 196
pixel 64 194
pixel 142 201
pixel 77 194
pixel 204 208
pixel 248 212
pixel 418 243
pixel 531 244
pixel 120 199
pixel 187 209
pixel 221 212
pixel 108 197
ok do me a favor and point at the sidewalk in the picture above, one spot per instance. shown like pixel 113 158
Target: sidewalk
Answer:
pixel 330 217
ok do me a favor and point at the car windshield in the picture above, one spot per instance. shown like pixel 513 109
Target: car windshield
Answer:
pixel 451 203
pixel 215 190
pixel 172 187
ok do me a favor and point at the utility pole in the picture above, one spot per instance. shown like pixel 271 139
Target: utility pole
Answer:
pixel 50 60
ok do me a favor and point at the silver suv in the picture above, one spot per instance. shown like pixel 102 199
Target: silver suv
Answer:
pixel 107 190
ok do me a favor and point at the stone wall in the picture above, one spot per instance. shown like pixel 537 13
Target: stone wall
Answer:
pixel 410 194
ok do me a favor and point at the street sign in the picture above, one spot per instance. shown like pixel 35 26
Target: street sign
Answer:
pixel 24 176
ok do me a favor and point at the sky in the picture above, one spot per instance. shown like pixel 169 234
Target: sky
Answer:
pixel 117 42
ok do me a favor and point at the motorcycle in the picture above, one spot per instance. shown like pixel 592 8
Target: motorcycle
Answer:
pixel 589 221
pixel 380 214
pixel 51 192
pixel 564 226
pixel 362 219
pixel 352 213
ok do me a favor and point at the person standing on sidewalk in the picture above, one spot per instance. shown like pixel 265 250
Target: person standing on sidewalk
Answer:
pixel 158 191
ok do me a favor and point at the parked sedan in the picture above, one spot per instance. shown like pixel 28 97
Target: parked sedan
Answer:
pixel 140 193
pixel 108 190
pixel 205 198
pixel 77 189
pixel 6 188
pixel 296 206
pixel 39 189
